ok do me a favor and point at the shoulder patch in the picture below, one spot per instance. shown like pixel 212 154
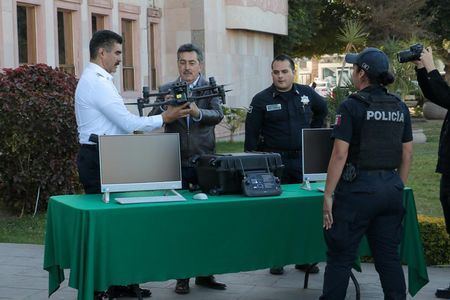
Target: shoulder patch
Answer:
pixel 337 120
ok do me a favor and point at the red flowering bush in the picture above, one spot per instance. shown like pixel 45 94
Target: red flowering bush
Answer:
pixel 38 137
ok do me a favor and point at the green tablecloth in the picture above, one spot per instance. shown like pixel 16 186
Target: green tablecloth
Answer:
pixel 112 244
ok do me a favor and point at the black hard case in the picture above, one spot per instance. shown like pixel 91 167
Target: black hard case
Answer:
pixel 223 173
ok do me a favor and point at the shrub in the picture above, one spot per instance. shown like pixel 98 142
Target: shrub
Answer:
pixel 38 138
pixel 234 117
pixel 436 241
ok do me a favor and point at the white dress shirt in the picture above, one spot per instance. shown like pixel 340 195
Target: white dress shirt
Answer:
pixel 100 109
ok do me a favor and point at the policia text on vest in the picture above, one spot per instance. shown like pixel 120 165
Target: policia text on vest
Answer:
pixel 391 116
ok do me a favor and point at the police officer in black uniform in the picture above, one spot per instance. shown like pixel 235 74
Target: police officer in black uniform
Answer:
pixel 367 171
pixel 278 114
pixel 275 121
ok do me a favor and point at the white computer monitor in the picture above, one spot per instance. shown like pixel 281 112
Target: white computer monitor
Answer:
pixel 317 145
pixel 140 162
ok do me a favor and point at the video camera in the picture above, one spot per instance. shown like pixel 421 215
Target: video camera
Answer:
pixel 181 93
pixel 410 55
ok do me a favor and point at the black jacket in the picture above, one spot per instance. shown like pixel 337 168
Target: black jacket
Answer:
pixel 275 120
pixel 199 137
pixel 437 91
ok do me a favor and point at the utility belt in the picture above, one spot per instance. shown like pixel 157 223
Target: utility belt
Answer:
pixel 88 148
pixel 284 153
pixel 351 172
pixel 93 138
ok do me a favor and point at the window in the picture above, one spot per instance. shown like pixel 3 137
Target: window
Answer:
pixel 98 22
pixel 26 34
pixel 152 57
pixel 131 69
pixel 65 41
pixel 127 55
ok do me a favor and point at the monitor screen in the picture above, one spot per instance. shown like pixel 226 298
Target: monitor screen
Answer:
pixel 140 162
pixel 317 145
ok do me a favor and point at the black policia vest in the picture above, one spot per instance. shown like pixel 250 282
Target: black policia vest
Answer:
pixel 381 132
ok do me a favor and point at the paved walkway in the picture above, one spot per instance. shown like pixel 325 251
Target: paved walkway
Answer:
pixel 22 277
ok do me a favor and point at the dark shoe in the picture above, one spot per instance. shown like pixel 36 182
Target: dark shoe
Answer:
pixel 313 269
pixel 100 296
pixel 182 286
pixel 117 291
pixel 443 293
pixel 277 271
pixel 209 282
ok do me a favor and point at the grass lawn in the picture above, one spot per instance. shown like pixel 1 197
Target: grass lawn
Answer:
pixel 423 180
pixel 25 230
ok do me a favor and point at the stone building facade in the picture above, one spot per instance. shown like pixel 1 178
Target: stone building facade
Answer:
pixel 236 36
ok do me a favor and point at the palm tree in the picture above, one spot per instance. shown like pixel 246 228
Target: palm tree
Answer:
pixel 353 35
pixel 404 72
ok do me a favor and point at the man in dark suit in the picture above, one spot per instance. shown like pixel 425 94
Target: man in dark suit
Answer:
pixel 196 132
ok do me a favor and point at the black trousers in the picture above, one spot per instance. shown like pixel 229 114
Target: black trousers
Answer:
pixel 292 172
pixel 445 199
pixel 89 168
pixel 371 205
pixel 189 176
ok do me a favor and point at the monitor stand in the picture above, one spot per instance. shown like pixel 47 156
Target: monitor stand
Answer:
pixel 158 196
pixel 105 197
pixel 306 185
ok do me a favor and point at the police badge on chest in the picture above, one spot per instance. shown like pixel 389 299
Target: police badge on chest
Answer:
pixel 304 100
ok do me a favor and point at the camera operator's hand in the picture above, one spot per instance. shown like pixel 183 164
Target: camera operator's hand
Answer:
pixel 175 112
pixel 418 63
pixel 427 59
pixel 194 111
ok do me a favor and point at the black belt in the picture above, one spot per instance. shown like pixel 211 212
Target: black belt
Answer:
pixel 375 172
pixel 286 152
pixel 89 146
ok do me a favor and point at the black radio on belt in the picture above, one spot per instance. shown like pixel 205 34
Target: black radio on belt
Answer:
pixel 349 173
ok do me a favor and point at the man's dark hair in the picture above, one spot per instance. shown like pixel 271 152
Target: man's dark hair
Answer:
pixel 283 57
pixel 190 48
pixel 103 39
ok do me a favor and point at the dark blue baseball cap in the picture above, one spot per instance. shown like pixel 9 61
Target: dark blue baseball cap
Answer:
pixel 371 60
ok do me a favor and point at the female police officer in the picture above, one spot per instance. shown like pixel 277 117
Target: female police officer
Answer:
pixel 368 168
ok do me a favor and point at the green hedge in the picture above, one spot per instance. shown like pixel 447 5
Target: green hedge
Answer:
pixel 436 241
